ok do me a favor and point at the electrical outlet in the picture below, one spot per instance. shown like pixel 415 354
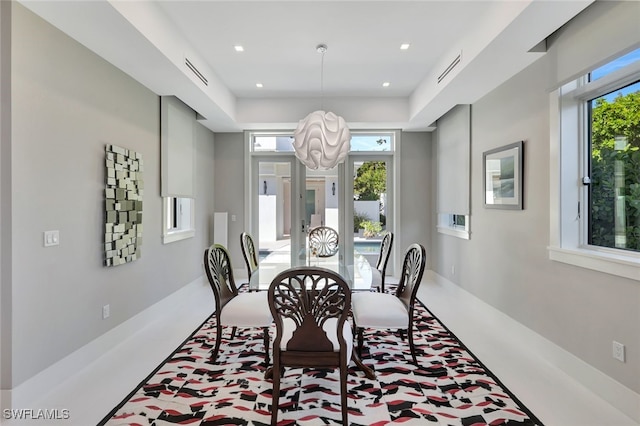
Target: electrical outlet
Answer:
pixel 618 351
pixel 106 311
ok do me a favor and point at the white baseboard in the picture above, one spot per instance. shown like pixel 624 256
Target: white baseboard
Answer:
pixel 608 389
pixel 35 388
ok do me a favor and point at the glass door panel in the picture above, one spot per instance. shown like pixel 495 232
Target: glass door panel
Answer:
pixel 371 210
pixel 273 215
pixel 322 205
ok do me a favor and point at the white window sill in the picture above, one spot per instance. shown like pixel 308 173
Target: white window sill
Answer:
pixel 614 264
pixel 454 232
pixel 172 237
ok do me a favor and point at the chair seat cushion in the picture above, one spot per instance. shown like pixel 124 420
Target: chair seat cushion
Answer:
pixel 247 310
pixel 379 310
pixel 329 327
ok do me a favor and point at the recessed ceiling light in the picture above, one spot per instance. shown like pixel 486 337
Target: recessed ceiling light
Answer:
pixel 238 48
pixel 258 84
pixel 386 84
pixel 404 46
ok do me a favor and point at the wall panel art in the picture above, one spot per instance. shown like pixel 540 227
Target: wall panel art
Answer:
pixel 123 205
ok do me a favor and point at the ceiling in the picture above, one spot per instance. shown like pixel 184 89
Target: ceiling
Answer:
pixel 153 40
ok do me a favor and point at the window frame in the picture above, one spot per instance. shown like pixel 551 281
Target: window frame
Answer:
pixel 569 164
pixel 182 210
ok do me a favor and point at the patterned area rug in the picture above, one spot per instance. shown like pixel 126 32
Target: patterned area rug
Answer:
pixel 451 387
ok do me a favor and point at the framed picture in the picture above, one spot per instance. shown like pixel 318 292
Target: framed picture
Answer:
pixel 503 177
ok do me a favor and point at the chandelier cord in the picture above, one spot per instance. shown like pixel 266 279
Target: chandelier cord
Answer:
pixel 322 80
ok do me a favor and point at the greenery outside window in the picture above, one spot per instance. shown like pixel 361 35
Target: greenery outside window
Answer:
pixel 614 169
pixel 178 219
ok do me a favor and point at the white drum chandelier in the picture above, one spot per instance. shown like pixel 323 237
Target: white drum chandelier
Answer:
pixel 321 140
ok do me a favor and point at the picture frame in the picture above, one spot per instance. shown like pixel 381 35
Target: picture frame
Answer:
pixel 503 177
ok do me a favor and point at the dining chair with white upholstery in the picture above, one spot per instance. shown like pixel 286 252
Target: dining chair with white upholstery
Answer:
pixel 392 310
pixel 323 241
pixel 310 306
pixel 234 309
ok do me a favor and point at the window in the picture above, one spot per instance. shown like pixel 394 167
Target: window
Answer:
pixel 453 145
pixel 596 208
pixel 360 141
pixel 177 168
pixel 272 143
pixel 456 225
pixel 178 219
pixel 372 142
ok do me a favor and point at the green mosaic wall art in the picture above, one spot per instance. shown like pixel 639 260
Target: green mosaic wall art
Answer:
pixel 123 205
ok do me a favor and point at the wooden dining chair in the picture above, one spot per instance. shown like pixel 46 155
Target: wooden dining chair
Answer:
pixel 323 241
pixel 381 265
pixel 392 311
pixel 310 306
pixel 234 309
pixel 249 253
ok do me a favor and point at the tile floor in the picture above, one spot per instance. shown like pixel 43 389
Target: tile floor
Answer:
pixel 555 398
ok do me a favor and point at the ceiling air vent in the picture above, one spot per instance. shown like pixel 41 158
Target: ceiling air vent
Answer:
pixel 450 68
pixel 196 71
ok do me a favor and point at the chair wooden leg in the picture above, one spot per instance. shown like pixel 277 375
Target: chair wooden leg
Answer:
pixel 216 348
pixel 267 358
pixel 275 397
pixel 343 393
pixel 401 332
pixel 233 333
pixel 412 346
pixel 360 341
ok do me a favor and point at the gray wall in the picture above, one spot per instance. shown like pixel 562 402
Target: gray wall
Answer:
pixel 229 190
pixel 416 187
pixel 67 105
pixel 506 264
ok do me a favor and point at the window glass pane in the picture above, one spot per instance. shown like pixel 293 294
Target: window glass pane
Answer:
pixel 369 142
pixel 615 65
pixel 273 143
pixel 614 198
pixel 369 207
pixel 459 220
pixel 359 142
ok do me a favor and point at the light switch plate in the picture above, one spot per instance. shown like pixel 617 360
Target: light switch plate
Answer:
pixel 51 238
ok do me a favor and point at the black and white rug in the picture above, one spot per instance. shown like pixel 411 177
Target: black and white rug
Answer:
pixel 451 386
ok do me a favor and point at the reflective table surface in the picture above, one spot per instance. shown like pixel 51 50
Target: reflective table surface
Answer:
pixel 359 276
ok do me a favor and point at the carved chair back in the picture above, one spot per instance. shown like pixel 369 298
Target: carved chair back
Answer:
pixel 310 306
pixel 249 253
pixel 383 258
pixel 323 241
pixel 412 271
pixel 217 265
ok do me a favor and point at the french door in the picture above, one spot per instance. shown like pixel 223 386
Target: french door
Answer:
pixel 286 200
pixel 283 198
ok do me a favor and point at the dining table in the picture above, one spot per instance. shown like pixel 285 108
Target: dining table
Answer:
pixel 358 274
